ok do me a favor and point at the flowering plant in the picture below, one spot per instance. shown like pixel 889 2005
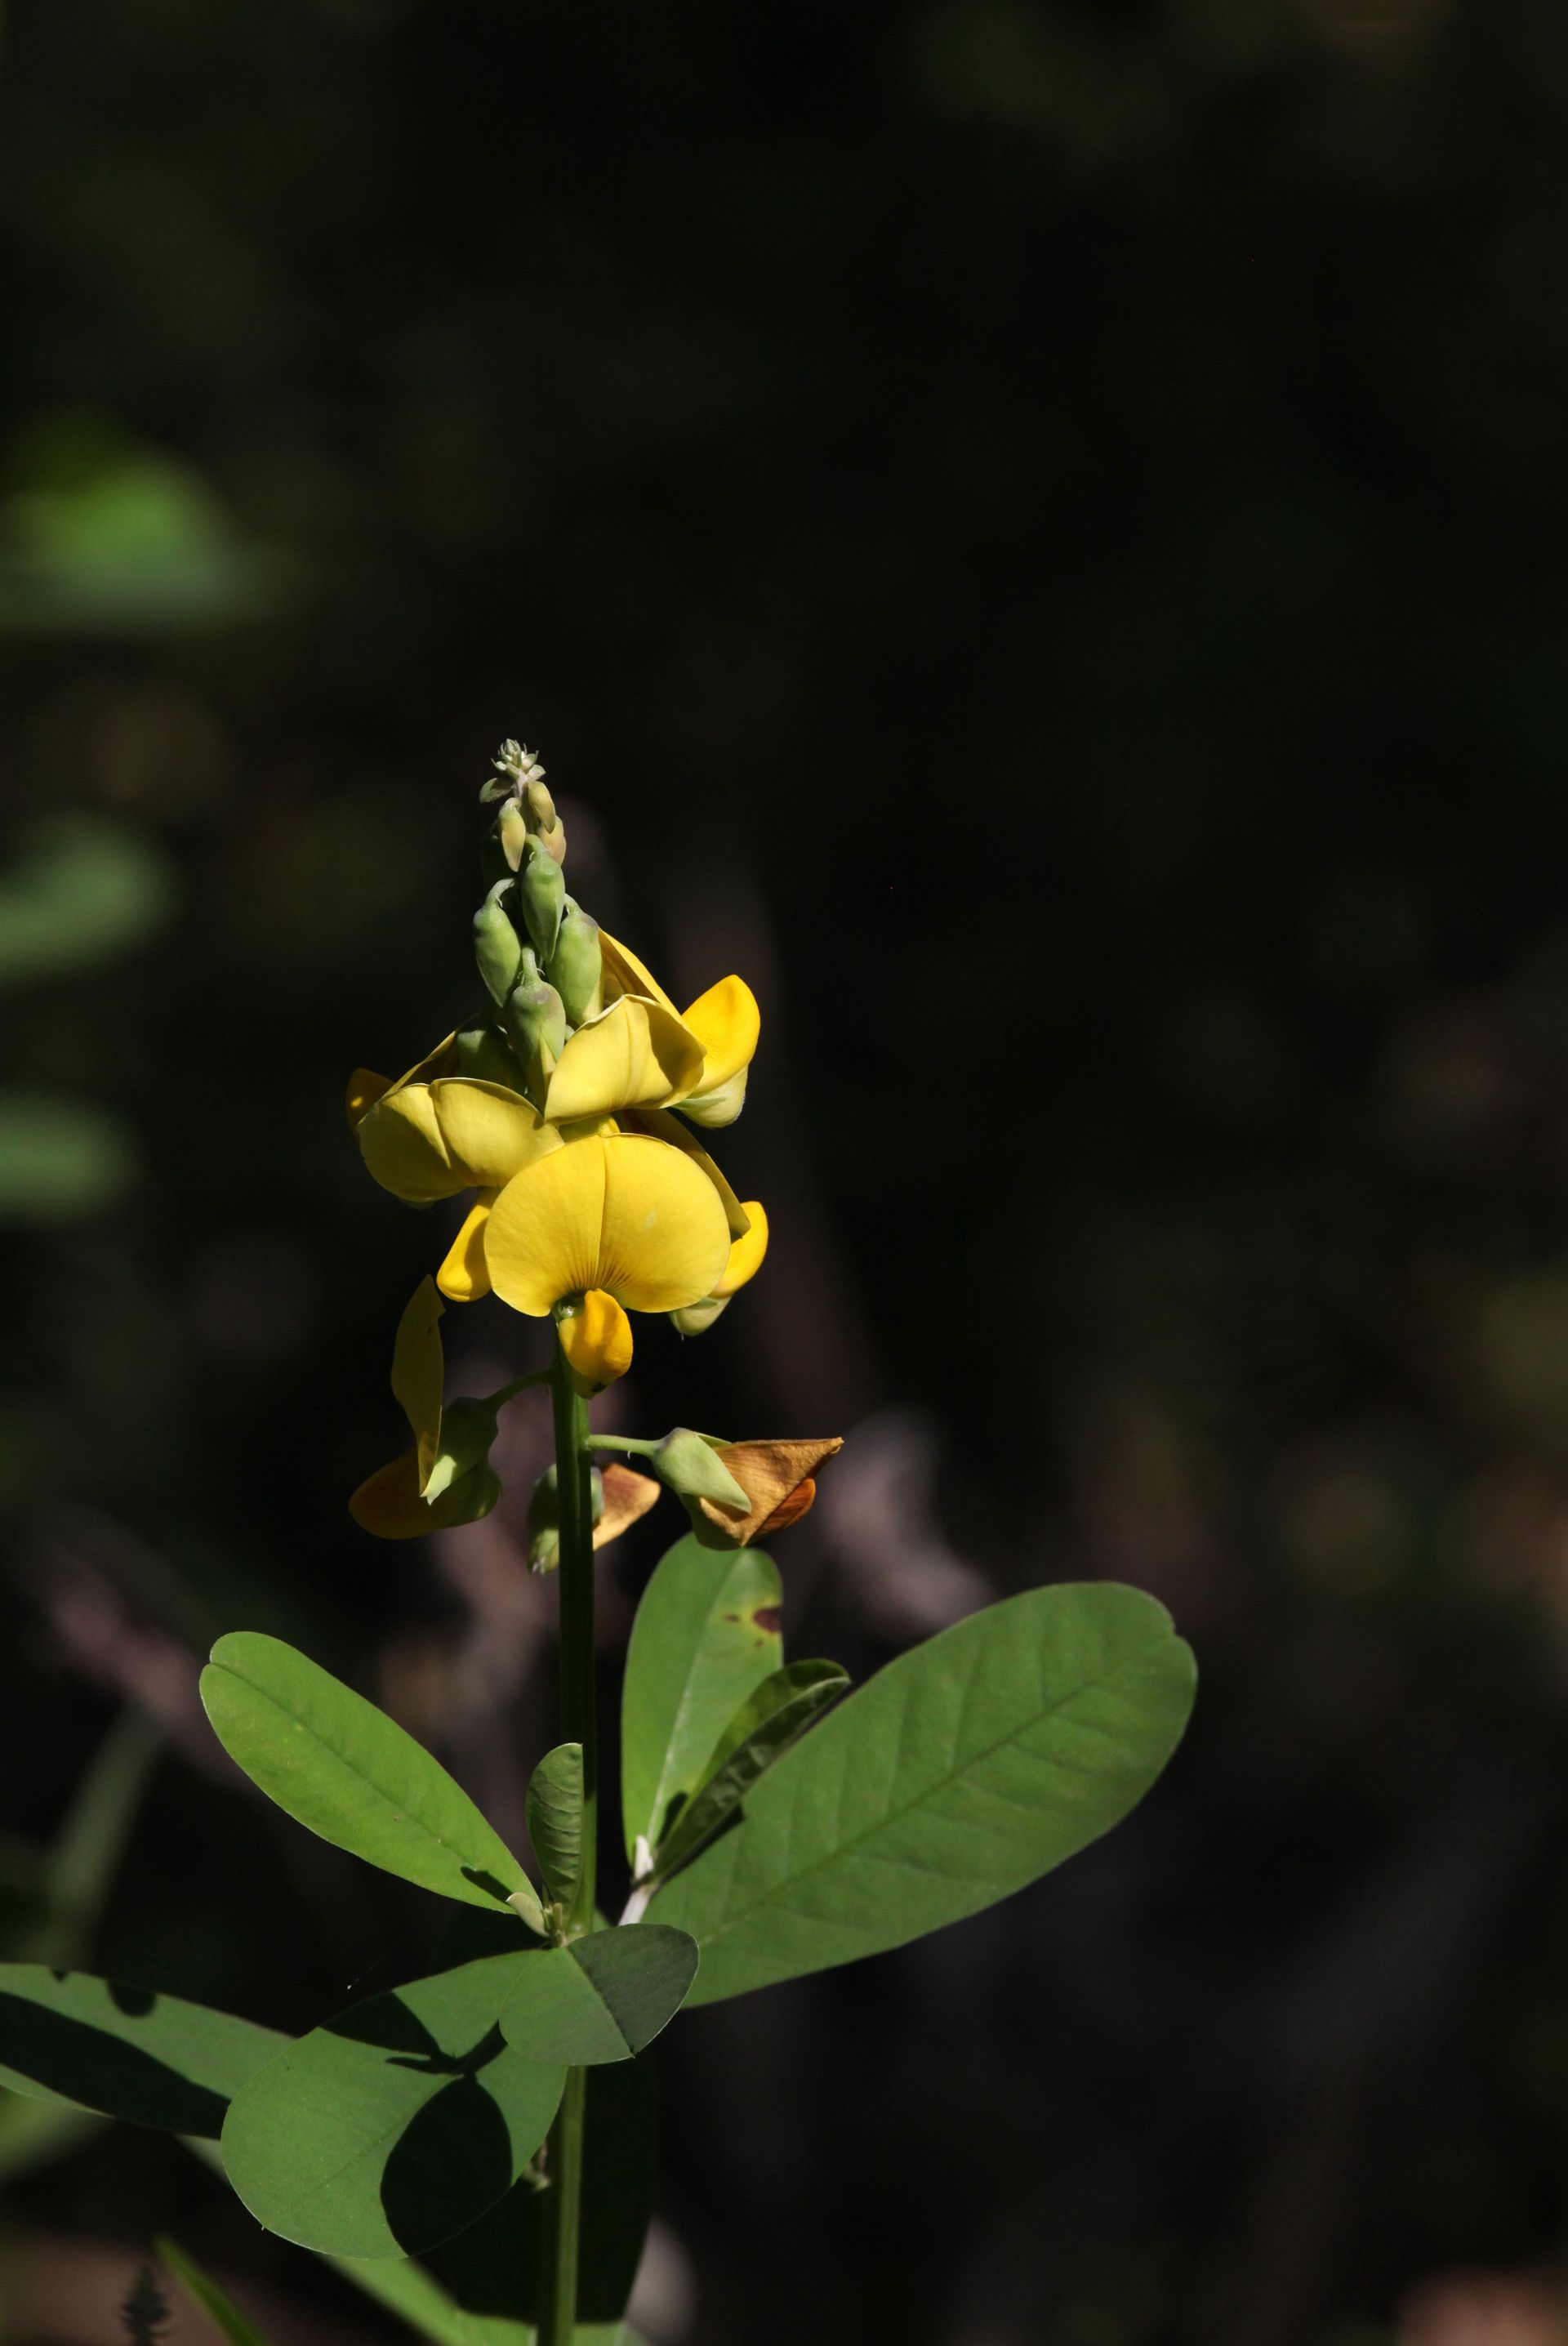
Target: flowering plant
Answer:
pixel 478 2143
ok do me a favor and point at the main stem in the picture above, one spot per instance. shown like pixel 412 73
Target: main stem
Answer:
pixel 558 2311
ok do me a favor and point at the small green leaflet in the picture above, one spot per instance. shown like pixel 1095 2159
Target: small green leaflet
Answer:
pixel 206 2296
pixel 344 1769
pixel 707 1633
pixel 602 1998
pixel 395 2124
pixel 555 1810
pixel 125 2051
pixel 964 1771
pixel 761 1732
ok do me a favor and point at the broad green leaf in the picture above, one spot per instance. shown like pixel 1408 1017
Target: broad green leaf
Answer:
pixel 964 1771
pixel 602 1998
pixel 555 1809
pixel 125 2051
pixel 707 1633
pixel 395 2124
pixel 494 2269
pixel 346 1770
pixel 763 1728
pixel 206 2296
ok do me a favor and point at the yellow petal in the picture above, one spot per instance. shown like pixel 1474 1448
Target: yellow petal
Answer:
pixel 665 1127
pixel 716 1108
pixel 463 1276
pixel 624 973
pixel 597 1338
pixel 365 1088
pixel 635 1053
pixel 746 1254
pixel 418 1373
pixel 429 1140
pixel 627 1498
pixel 727 1022
pixel 628 1214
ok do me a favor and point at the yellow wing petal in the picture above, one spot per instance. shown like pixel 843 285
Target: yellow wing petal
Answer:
pixel 746 1254
pixel 635 1053
pixel 463 1276
pixel 628 1214
pixel 419 1372
pixel 364 1088
pixel 727 1023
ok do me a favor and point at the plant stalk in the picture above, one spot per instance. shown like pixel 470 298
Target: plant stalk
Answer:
pixel 575 1498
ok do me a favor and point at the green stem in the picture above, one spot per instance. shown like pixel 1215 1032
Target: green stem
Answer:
pixel 627 1443
pixel 574 1492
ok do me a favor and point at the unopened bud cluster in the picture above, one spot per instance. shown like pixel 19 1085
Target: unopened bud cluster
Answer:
pixel 538 952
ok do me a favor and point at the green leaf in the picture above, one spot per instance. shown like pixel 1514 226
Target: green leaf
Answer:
pixel 395 2124
pixel 83 890
pixel 206 2296
pixel 555 1810
pixel 763 1728
pixel 340 1767
pixel 602 1998
pixel 707 1633
pixel 495 2269
pixel 964 1771
pixel 61 1160
pixel 125 2051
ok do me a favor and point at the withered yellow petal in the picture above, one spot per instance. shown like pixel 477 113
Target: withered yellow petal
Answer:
pixel 628 1214
pixel 388 1503
pixel 746 1254
pixel 727 1023
pixel 777 1479
pixel 463 1276
pixel 666 1126
pixel 419 1372
pixel 635 1053
pixel 627 1498
pixel 597 1338
pixel 624 973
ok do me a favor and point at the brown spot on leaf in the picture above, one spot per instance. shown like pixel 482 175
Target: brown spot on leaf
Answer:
pixel 767 1617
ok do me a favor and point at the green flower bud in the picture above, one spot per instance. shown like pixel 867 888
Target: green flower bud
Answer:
pixel 483 1054
pixel 468 1431
pixel 534 1020
pixel 576 965
pixel 495 944
pixel 542 894
pixel 512 830
pixel 541 806
pixel 691 1466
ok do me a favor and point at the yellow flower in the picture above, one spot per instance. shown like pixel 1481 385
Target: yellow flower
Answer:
pixel 624 1214
pixel 641 1052
pixel 431 1134
pixel 446 1477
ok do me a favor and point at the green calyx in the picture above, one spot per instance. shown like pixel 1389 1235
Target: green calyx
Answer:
pixel 535 1016
pixel 690 1466
pixel 496 947
pixel 542 896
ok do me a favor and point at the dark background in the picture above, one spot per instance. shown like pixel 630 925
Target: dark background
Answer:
pixel 1037 530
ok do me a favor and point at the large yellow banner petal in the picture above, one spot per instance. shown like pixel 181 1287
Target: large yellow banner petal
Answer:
pixel 426 1141
pixel 626 1214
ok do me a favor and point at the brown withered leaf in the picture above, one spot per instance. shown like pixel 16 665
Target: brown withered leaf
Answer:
pixel 777 1479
